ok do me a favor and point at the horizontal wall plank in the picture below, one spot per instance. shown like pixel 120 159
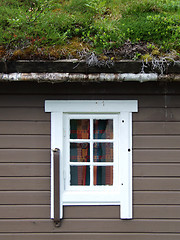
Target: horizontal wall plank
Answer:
pixel 73 212
pixel 25 183
pixel 164 128
pixel 39 114
pixel 24 170
pixel 24 141
pixel 43 197
pixel 23 114
pixel 156 184
pixel 156 142
pixel 150 115
pixel 24 197
pixel 24 155
pixel 112 212
pixel 173 100
pixel 24 127
pixel 43 141
pixel 22 100
pixel 89 236
pixel 43 211
pixel 157 115
pixel 149 101
pixel 156 155
pixel 172 114
pixel 39 100
pixel 156 170
pixel 159 211
pixel 90 226
pixel 43 183
pixel 24 211
pixel 40 127
pixel 156 197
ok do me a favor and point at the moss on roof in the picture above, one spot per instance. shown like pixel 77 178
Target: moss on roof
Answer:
pixel 107 29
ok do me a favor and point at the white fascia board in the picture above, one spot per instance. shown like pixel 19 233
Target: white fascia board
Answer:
pixel 91 106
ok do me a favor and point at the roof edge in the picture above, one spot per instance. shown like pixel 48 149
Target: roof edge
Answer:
pixel 75 66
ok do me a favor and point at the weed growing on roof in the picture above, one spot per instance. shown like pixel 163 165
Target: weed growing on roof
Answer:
pixel 103 26
pixel 161 29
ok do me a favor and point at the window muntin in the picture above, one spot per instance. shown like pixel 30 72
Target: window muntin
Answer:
pixel 92 151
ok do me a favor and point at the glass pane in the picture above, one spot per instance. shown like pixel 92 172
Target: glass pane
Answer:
pixel 103 152
pixel 103 129
pixel 103 175
pixel 80 175
pixel 79 128
pixel 79 152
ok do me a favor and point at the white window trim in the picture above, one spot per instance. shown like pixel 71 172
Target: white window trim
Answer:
pixel 125 108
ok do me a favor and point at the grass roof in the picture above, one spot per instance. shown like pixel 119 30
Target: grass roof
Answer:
pixel 109 29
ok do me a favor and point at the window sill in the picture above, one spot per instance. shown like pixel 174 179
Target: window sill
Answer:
pixel 91 198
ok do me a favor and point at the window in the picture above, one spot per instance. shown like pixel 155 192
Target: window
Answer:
pixel 95 142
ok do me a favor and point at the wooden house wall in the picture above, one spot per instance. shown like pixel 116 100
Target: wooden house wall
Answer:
pixel 25 165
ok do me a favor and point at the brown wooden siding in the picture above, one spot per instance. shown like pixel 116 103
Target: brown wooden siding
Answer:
pixel 25 169
pixel 90 236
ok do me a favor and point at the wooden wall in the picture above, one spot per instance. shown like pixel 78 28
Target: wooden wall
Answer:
pixel 25 165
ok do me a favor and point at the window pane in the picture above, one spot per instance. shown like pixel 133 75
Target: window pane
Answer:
pixel 79 128
pixel 103 129
pixel 80 175
pixel 79 152
pixel 103 152
pixel 103 175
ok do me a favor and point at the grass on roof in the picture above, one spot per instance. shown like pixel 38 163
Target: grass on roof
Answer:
pixel 112 29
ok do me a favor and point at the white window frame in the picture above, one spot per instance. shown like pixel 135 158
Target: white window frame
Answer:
pixel 92 195
pixel 123 108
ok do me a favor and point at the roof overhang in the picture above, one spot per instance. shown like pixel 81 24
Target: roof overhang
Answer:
pixel 79 71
